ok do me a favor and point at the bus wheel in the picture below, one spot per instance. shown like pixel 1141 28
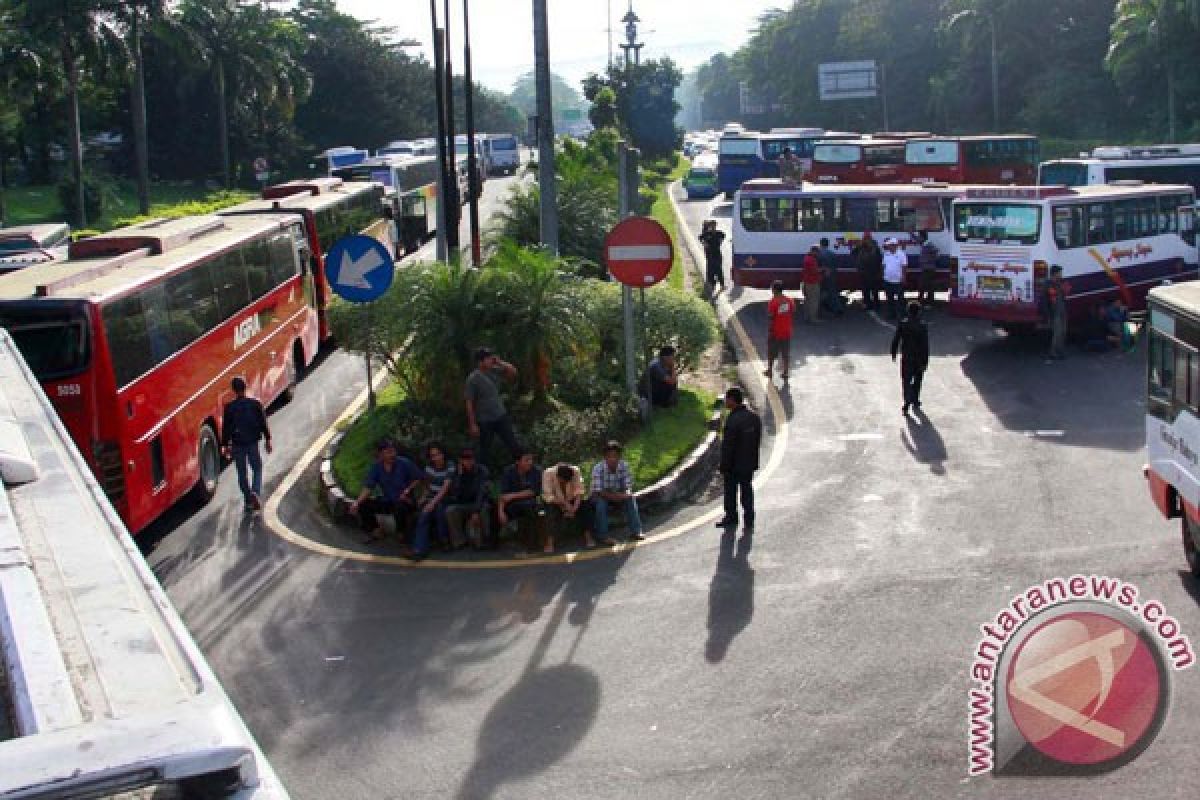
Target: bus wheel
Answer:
pixel 1190 551
pixel 295 368
pixel 208 453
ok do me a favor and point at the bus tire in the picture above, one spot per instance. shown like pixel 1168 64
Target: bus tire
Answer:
pixel 208 456
pixel 1190 552
pixel 295 371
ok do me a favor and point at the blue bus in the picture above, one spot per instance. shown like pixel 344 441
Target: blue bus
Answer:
pixel 749 155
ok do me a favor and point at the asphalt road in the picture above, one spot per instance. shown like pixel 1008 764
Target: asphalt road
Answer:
pixel 825 656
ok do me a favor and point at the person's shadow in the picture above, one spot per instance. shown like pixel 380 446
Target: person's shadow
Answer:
pixel 924 443
pixel 730 595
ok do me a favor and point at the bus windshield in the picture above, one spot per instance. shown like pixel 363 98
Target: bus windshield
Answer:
pixel 504 143
pixel 1005 222
pixel 738 147
pixel 1063 173
pixel 54 342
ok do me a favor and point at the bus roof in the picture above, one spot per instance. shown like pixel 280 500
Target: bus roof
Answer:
pixel 1183 297
pixel 1089 192
pixel 308 186
pixel 300 201
pixel 37 232
pixel 96 279
pixel 774 186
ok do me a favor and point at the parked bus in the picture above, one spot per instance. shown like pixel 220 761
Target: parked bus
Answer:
pixel 503 152
pixel 330 208
pixel 24 245
pixel 701 177
pixel 748 155
pixel 1176 163
pixel 1173 410
pixel 411 186
pixel 136 336
pixel 1111 242
pixel 775 224
pixel 858 161
pixel 971 159
pixel 481 162
pixel 105 692
pixel 344 156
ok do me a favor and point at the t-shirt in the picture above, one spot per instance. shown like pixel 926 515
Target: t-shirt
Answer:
pixel 483 390
pixel 513 481
pixel 393 482
pixel 469 485
pixel 438 477
pixel 894 263
pixel 712 240
pixel 812 269
pixel 780 311
pixel 244 423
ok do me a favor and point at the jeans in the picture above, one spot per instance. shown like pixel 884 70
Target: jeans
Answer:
pixel 371 508
pixel 457 515
pixel 503 428
pixel 437 517
pixel 713 273
pixel 895 298
pixel 742 482
pixel 600 515
pixel 247 455
pixel 910 382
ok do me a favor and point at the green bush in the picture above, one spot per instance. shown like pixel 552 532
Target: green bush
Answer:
pixel 645 201
pixel 577 434
pixel 93 198
pixel 672 317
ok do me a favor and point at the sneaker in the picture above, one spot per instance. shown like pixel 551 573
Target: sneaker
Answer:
pixel 637 536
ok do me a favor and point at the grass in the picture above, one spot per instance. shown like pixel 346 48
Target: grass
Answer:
pixel 652 453
pixel 661 211
pixel 673 433
pixel 33 204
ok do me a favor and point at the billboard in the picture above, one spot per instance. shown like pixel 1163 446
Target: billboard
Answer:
pixel 847 80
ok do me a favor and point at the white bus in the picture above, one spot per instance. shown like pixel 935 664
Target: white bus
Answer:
pixel 1173 410
pixel 775 224
pixel 1116 241
pixel 503 153
pixel 105 688
pixel 1162 163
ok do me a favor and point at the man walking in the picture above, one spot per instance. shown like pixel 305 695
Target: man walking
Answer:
pixel 712 239
pixel 912 341
pixel 895 260
pixel 1054 309
pixel 780 310
pixel 486 414
pixel 740 442
pixel 242 425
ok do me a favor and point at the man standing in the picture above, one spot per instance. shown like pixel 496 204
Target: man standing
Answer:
pixel 740 442
pixel 811 274
pixel 780 310
pixel 242 425
pixel 831 299
pixel 912 340
pixel 928 262
pixel 1054 309
pixel 612 484
pixel 486 414
pixel 895 260
pixel 712 239
pixel 869 263
pixel 660 384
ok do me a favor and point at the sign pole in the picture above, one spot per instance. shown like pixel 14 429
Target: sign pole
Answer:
pixel 367 356
pixel 646 356
pixel 623 211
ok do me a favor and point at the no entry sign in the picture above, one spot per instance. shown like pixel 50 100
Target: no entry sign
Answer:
pixel 638 252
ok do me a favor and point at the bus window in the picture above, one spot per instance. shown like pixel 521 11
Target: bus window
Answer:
pixel 128 339
pixel 860 214
pixel 283 259
pixel 919 214
pixel 1099 223
pixel 1068 226
pixel 1168 211
pixel 1124 219
pixel 229 275
pixel 1053 173
pixel 943 153
pixel 822 214
pixel 1001 222
pixel 192 304
pixel 1161 361
pixel 53 343
pixel 1183 362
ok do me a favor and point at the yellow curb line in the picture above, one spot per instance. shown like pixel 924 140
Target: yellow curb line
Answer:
pixel 724 311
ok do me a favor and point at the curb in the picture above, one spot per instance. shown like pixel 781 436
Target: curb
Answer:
pixel 686 479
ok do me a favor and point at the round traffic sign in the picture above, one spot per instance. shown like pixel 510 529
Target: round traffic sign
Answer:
pixel 638 251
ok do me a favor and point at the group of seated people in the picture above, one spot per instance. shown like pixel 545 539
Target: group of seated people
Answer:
pixel 1107 327
pixel 453 505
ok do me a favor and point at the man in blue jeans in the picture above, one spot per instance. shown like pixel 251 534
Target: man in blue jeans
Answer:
pixel 242 425
pixel 612 484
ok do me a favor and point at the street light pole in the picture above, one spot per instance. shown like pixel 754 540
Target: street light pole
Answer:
pixel 454 209
pixel 445 181
pixel 547 190
pixel 469 112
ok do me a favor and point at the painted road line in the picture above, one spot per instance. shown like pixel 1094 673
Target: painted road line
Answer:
pixel 778 447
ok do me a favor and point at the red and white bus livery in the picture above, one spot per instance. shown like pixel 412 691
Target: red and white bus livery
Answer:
pixel 858 161
pixel 135 338
pixel 1011 158
pixel 1111 242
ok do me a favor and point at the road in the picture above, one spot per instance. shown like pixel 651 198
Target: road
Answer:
pixel 825 656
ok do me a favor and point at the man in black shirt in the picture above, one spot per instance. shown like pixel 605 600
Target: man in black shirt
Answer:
pixel 740 442
pixel 712 239
pixel 912 341
pixel 242 425
pixel 466 504
pixel 660 383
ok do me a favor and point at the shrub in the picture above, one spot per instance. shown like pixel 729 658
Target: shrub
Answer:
pixel 578 434
pixel 677 318
pixel 93 198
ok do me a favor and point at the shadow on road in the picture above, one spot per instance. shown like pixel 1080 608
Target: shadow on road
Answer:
pixel 730 595
pixel 923 442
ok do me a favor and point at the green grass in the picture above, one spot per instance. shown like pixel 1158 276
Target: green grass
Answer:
pixel 673 433
pixel 661 211
pixel 32 204
pixel 357 450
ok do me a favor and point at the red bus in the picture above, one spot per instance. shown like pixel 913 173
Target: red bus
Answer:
pixel 135 338
pixel 329 209
pixel 1006 159
pixel 857 161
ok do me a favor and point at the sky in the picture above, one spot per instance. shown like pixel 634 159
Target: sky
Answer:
pixel 689 31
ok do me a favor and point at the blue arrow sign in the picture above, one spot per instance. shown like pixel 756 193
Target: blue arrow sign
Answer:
pixel 359 268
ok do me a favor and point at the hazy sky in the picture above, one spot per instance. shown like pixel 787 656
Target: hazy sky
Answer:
pixel 502 31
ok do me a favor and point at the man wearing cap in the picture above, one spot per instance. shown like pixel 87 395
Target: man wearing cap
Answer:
pixel 486 414
pixel 894 262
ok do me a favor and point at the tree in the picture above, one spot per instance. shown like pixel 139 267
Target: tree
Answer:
pixel 1154 42
pixel 646 106
pixel 603 113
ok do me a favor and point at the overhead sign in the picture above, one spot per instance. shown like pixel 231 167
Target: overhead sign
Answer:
pixel 359 268
pixel 638 251
pixel 847 80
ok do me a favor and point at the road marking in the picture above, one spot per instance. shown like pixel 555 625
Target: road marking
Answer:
pixel 725 313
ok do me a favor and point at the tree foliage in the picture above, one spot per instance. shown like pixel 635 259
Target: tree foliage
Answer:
pixel 645 103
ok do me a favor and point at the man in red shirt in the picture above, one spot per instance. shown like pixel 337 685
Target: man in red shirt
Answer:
pixel 779 336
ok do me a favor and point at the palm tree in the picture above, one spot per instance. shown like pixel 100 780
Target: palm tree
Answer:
pixel 1149 35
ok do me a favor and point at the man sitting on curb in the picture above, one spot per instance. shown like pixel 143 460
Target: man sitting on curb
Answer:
pixel 563 498
pixel 612 485
pixel 397 479
pixel 466 505
pixel 520 486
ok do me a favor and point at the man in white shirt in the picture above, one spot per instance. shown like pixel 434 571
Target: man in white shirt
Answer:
pixel 895 261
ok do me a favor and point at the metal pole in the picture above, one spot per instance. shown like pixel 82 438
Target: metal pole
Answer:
pixel 624 209
pixel 138 104
pixel 367 357
pixel 445 197
pixel 883 95
pixel 646 356
pixel 547 190
pixel 454 210
pixel 469 112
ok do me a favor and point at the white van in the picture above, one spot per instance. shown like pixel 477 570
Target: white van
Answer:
pixel 503 153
